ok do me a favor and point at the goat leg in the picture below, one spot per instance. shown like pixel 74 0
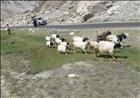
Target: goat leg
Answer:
pixel 95 51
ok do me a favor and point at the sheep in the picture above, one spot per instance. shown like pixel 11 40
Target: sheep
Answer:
pixel 102 35
pixel 63 47
pixel 81 44
pixel 104 47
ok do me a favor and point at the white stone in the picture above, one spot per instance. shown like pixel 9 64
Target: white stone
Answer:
pixel 72 33
pixel 72 75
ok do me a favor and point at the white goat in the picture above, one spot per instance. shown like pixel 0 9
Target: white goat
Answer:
pixel 50 44
pixel 112 38
pixel 58 41
pixel 48 38
pixel 50 41
pixel 63 47
pixel 64 43
pixel 53 36
pixel 81 44
pixel 103 47
pixel 56 38
pixel 77 39
pixel 117 38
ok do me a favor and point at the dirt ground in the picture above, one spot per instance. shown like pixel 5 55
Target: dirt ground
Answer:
pixel 92 81
pixel 104 79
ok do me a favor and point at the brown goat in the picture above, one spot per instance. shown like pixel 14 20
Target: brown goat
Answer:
pixel 102 35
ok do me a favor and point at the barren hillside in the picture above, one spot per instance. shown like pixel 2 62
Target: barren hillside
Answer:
pixel 21 12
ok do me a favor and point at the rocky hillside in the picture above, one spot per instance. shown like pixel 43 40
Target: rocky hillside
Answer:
pixel 11 8
pixel 21 12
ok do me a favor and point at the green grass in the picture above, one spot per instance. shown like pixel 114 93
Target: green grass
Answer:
pixel 131 56
pixel 43 58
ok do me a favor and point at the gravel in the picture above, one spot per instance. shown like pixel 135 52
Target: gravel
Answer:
pixel 93 81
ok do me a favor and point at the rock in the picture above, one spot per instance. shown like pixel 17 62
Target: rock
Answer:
pixel 88 16
pixel 72 33
pixel 44 75
pixel 72 75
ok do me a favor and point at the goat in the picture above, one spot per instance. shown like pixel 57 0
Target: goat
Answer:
pixel 77 38
pixel 63 47
pixel 117 38
pixel 104 47
pixel 102 35
pixel 122 36
pixel 53 36
pixel 47 38
pixel 59 40
pixel 81 44
pixel 50 44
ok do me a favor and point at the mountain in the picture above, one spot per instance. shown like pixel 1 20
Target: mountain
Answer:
pixel 21 12
pixel 10 8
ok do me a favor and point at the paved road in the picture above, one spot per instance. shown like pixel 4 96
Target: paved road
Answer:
pixel 86 26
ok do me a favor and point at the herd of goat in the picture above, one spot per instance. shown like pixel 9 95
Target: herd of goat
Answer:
pixel 105 43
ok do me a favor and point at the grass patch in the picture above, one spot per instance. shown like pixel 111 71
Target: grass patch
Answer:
pixel 43 58
pixel 131 56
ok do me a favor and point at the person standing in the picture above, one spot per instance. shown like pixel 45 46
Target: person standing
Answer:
pixel 34 22
pixel 8 29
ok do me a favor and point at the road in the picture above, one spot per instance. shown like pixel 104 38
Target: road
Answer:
pixel 85 26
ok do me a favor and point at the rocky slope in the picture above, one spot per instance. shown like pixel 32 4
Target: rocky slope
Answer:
pixel 21 12
pixel 11 8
